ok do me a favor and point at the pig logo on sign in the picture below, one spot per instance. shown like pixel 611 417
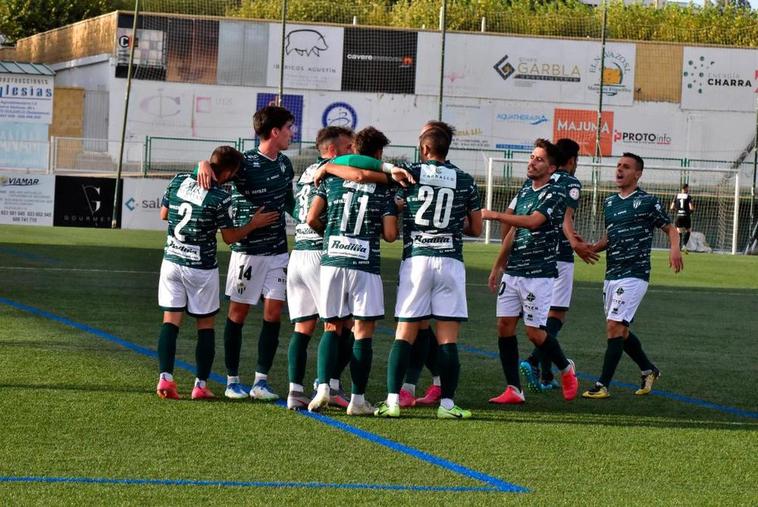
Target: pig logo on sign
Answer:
pixel 305 42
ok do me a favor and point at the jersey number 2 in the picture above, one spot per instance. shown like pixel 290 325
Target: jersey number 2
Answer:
pixel 185 211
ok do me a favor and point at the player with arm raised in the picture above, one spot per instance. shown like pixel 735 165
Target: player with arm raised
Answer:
pixel 568 243
pixel 631 215
pixel 527 285
pixel 258 261
pixel 189 272
pixel 432 279
pixel 350 281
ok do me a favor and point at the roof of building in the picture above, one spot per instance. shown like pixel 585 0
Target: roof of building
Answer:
pixel 33 69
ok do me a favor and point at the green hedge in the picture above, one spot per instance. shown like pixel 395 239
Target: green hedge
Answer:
pixel 563 18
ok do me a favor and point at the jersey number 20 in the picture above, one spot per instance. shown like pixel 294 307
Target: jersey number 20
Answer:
pixel 443 206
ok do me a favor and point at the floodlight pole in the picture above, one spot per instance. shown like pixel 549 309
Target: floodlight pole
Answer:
pixel 133 43
pixel 598 158
pixel 755 168
pixel 443 33
pixel 280 97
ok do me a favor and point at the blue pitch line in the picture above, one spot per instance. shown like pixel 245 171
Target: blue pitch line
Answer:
pixel 240 484
pixel 28 256
pixel 494 484
pixel 664 394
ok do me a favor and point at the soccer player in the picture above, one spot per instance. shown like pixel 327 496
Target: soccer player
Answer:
pixel 568 243
pixel 425 347
pixel 351 285
pixel 258 261
pixel 630 217
pixel 441 207
pixel 304 266
pixel 189 272
pixel 303 274
pixel 527 284
pixel 684 208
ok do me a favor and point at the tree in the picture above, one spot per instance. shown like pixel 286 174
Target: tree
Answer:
pixel 22 18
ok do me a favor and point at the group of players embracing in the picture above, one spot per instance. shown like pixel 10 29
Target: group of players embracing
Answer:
pixel 342 205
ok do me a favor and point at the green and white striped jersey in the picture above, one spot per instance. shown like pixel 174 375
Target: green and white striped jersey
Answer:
pixel 261 181
pixel 572 189
pixel 194 216
pixel 435 207
pixel 629 224
pixel 354 223
pixel 305 190
pixel 534 252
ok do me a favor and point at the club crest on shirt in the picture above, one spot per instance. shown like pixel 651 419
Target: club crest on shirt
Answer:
pixel 636 203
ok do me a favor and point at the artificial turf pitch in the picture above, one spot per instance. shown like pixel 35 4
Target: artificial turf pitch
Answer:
pixel 82 424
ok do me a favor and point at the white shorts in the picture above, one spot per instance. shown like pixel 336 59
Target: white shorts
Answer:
pixel 303 284
pixel 563 286
pixel 349 292
pixel 252 276
pixel 182 288
pixel 622 298
pixel 431 287
pixel 528 297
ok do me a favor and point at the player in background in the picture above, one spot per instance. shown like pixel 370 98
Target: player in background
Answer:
pixel 351 285
pixel 568 243
pixel 684 208
pixel 189 272
pixel 257 267
pixel 443 205
pixel 631 215
pixel 527 284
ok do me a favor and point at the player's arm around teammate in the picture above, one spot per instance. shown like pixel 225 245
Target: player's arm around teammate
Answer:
pixel 189 272
pixel 432 277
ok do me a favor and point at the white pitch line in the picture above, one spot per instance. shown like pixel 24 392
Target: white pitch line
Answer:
pixel 386 281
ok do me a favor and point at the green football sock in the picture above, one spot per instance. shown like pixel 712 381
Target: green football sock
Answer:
pixel 344 352
pixel 419 352
pixel 432 356
pixel 360 364
pixel 613 353
pixel 552 350
pixel 508 347
pixel 327 355
pixel 397 364
pixel 633 348
pixel 205 352
pixel 450 369
pixel 167 347
pixel 268 342
pixel 232 347
pixel 297 357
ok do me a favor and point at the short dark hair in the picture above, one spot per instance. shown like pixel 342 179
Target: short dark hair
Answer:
pixel 554 155
pixel 437 140
pixel 369 141
pixel 269 118
pixel 225 157
pixel 637 158
pixel 685 187
pixel 328 135
pixel 569 149
pixel 446 128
